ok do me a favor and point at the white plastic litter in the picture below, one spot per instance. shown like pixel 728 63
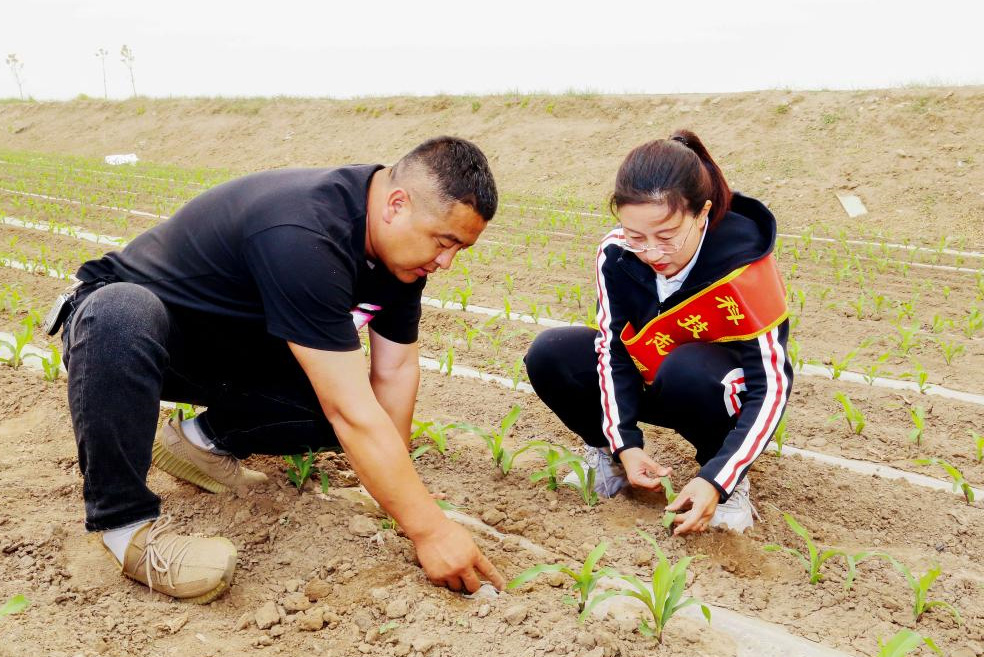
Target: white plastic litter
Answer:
pixel 128 158
pixel 852 205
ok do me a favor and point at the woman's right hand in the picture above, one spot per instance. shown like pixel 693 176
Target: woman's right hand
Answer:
pixel 641 470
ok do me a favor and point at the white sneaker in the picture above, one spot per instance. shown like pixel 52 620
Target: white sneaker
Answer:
pixel 609 476
pixel 736 514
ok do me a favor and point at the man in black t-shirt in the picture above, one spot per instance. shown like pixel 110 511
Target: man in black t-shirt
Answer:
pixel 249 301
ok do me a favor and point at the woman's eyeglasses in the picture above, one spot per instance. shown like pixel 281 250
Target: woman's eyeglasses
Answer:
pixel 667 246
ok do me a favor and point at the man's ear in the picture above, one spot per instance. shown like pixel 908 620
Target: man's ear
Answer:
pixel 396 201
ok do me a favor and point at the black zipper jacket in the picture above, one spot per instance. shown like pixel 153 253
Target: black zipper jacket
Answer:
pixel 627 294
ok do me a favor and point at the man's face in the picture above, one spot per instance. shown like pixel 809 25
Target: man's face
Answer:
pixel 422 235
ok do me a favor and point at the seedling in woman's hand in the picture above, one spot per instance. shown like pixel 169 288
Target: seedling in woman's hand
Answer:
pixel 668 516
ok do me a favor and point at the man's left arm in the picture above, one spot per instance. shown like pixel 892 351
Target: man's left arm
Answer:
pixel 394 374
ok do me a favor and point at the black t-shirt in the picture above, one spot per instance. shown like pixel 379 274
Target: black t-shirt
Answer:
pixel 285 248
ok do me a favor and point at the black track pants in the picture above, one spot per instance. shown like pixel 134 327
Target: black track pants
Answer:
pixel 690 394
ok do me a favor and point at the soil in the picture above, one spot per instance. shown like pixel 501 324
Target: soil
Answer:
pixel 320 573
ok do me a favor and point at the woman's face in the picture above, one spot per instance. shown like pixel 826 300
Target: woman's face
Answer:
pixel 670 239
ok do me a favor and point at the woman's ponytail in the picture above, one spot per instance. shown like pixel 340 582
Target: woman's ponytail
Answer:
pixel 720 194
pixel 677 171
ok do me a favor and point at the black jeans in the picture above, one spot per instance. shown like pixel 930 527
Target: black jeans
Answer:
pixel 688 394
pixel 126 350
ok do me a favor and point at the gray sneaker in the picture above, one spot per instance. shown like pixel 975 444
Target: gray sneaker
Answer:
pixel 609 476
pixel 737 513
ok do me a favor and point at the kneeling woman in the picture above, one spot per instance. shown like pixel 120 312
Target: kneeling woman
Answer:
pixel 692 331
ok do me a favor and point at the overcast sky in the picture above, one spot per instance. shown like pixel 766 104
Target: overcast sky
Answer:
pixel 388 47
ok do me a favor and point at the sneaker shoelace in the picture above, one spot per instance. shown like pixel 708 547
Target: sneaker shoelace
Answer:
pixel 162 554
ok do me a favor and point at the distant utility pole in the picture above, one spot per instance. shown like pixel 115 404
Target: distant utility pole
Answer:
pixel 101 54
pixel 126 56
pixel 16 66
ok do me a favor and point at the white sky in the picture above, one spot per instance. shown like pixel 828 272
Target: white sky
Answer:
pixel 387 47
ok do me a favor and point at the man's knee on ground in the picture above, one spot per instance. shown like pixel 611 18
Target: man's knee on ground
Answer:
pixel 123 311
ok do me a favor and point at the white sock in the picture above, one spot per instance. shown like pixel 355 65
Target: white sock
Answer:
pixel 117 539
pixel 193 432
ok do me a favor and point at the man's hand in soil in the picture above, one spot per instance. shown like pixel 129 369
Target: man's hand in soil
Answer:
pixel 641 470
pixel 378 454
pixel 702 499
pixel 450 558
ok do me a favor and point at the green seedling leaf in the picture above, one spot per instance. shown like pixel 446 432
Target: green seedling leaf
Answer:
pixel 904 642
pixel 14 605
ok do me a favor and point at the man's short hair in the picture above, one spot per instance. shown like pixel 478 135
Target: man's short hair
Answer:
pixel 459 170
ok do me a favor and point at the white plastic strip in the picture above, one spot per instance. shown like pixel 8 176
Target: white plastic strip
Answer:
pixel 873 469
pixel 494 312
pixel 58 229
pixel 471 373
pixel 894 384
pixel 34 269
pixel 71 167
pixel 139 213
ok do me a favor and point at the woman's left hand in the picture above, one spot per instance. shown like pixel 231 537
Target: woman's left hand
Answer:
pixel 702 498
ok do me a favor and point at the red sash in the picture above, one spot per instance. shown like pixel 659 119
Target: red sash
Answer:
pixel 746 303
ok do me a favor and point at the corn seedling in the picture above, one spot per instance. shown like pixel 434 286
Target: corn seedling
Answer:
pixel 436 433
pixel 838 366
pixel 950 350
pixel 663 597
pixel 973 323
pixel 501 456
pixel 779 437
pixel 978 444
pixel 183 411
pixel 555 457
pixel 14 605
pixel 854 417
pixel 446 362
pixel 585 578
pixel 959 483
pixel 908 338
pixel 464 293
pixel 21 340
pixel 50 365
pixel 920 589
pixel 918 415
pixel 585 482
pixel 871 372
pixel 814 559
pixel 470 333
pixel 793 349
pixel 919 375
pixel 668 516
pixel 904 642
pixel 300 468
pixel 517 373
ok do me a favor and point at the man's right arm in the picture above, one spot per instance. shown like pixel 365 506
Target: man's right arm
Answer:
pixel 379 457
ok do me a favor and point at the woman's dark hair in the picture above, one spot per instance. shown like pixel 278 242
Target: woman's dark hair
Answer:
pixel 677 171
